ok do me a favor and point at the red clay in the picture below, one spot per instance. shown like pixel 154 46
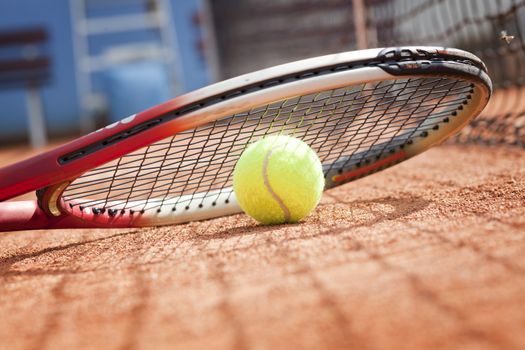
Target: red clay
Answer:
pixel 427 255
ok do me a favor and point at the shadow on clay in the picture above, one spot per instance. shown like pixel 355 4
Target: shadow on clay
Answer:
pixel 332 218
pixel 341 215
pixel 7 262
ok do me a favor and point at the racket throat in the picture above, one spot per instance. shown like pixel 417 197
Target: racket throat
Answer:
pixel 49 198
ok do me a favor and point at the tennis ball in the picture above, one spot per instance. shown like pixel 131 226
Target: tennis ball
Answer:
pixel 278 179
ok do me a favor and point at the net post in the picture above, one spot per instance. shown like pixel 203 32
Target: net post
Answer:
pixel 359 13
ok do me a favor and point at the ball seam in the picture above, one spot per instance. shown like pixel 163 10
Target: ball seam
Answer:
pixel 274 195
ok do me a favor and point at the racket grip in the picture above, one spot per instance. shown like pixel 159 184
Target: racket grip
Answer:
pixel 27 215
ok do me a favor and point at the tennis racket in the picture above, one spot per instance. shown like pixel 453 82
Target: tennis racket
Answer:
pixel 361 111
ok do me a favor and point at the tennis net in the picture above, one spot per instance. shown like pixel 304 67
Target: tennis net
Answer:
pixel 491 29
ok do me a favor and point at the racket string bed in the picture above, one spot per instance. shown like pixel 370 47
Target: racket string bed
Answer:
pixel 347 127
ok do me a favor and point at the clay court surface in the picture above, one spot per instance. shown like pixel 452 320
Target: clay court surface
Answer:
pixel 429 254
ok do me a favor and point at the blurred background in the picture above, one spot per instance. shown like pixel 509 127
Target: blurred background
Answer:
pixel 68 67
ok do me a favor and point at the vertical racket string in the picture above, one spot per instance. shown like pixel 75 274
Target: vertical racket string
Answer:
pixel 362 101
pixel 157 175
pixel 365 117
pixel 338 111
pixel 211 167
pixel 387 89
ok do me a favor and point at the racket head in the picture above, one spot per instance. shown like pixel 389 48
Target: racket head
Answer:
pixel 361 111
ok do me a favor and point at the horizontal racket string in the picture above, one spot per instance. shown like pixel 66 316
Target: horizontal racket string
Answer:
pixel 151 172
pixel 356 124
pixel 152 158
pixel 152 165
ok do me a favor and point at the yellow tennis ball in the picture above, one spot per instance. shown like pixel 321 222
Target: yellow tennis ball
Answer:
pixel 278 179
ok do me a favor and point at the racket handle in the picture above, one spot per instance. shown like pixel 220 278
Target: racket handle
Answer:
pixel 27 215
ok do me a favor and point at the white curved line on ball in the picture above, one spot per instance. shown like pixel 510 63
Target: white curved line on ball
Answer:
pixel 278 199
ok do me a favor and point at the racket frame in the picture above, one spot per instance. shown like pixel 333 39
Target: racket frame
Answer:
pixel 51 172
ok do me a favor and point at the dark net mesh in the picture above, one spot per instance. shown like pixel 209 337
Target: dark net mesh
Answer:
pixel 492 29
pixel 347 127
pixel 252 34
